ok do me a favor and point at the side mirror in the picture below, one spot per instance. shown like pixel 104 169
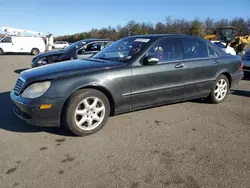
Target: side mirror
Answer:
pixel 150 60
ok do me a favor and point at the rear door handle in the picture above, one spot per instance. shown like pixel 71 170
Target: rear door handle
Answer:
pixel 216 61
pixel 179 65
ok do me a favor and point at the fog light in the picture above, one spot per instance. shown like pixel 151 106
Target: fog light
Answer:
pixel 45 106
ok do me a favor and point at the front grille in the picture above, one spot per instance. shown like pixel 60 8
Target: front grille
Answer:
pixel 19 85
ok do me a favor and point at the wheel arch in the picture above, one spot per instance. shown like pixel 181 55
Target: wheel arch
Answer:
pixel 35 48
pixel 229 77
pixel 1 49
pixel 227 74
pixel 102 89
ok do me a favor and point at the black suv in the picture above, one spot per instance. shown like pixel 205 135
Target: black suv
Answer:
pixel 133 73
pixel 79 49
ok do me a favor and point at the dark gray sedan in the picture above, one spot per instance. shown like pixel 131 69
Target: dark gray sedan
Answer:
pixel 78 50
pixel 133 73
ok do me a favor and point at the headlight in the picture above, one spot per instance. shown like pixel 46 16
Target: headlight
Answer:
pixel 36 90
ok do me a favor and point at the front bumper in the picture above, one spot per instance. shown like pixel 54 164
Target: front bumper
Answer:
pixel 29 110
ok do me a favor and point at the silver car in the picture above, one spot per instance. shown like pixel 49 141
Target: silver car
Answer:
pixel 246 61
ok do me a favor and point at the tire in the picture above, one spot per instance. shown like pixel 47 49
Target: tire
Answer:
pixel 222 84
pixel 1 51
pixel 80 123
pixel 35 51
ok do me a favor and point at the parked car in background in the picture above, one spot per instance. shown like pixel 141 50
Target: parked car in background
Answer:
pixel 60 45
pixel 246 61
pixel 132 73
pixel 22 44
pixel 223 46
pixel 80 49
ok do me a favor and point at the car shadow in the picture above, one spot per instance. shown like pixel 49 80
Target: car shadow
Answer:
pixel 17 54
pixel 242 93
pixel 9 121
pixel 18 71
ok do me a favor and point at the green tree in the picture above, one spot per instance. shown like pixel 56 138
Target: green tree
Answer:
pixel 197 28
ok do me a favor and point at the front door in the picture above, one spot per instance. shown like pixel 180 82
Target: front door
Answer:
pixel 7 45
pixel 164 81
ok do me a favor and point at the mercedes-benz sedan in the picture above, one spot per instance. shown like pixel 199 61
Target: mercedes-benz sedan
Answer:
pixel 132 73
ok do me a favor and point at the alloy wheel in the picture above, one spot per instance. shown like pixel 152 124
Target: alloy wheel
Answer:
pixel 221 88
pixel 89 113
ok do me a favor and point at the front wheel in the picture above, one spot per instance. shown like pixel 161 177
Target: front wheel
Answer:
pixel 1 51
pixel 87 112
pixel 220 90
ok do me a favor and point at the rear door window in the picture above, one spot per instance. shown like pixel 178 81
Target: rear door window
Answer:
pixel 95 46
pixel 194 48
pixel 211 52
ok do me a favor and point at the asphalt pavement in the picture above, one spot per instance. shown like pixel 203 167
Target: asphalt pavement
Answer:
pixel 185 145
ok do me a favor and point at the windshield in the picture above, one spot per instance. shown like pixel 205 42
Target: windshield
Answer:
pixel 122 50
pixel 76 45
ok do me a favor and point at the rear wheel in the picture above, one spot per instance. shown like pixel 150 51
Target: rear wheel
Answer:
pixel 87 112
pixel 220 90
pixel 1 51
pixel 35 51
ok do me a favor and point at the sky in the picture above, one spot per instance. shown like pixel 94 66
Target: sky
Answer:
pixel 61 17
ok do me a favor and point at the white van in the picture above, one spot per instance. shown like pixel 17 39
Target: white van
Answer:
pixel 22 44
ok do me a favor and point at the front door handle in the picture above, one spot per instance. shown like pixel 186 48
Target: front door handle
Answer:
pixel 179 65
pixel 216 61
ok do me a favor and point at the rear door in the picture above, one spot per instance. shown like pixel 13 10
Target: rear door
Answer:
pixel 164 81
pixel 201 63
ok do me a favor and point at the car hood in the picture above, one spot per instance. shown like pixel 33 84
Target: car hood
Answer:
pixel 65 68
pixel 51 53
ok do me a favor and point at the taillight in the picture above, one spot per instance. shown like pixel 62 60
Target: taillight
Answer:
pixel 241 65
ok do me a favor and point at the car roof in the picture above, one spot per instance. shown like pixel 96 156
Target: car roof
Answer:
pixel 155 36
pixel 94 39
pixel 161 36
